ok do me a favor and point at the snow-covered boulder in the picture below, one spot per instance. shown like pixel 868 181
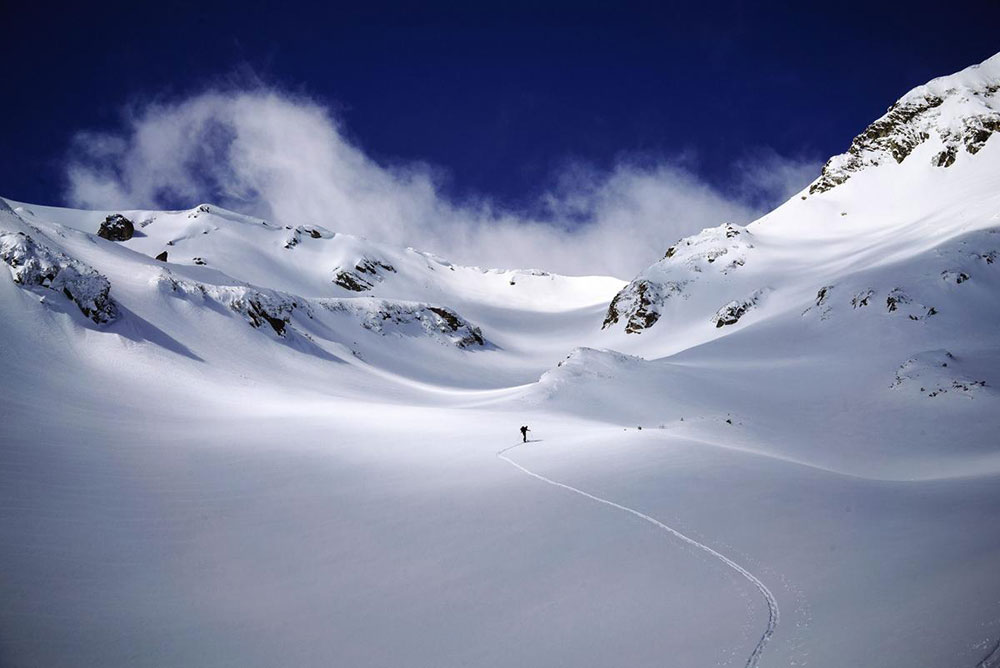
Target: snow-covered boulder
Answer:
pixel 33 265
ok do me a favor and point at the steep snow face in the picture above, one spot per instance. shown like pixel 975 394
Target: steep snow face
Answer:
pixel 955 114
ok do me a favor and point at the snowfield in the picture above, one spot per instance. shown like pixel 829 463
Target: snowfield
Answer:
pixel 282 445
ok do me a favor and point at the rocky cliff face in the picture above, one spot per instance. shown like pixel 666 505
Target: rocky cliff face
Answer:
pixel 958 113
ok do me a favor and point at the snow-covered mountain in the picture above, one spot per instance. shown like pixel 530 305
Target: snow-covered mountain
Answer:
pixel 906 206
pixel 877 285
pixel 807 405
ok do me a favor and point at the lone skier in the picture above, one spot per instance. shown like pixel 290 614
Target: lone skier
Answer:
pixel 524 433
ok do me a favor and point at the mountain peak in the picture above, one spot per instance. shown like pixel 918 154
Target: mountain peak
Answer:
pixel 957 113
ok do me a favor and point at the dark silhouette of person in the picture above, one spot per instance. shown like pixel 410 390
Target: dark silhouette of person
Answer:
pixel 524 433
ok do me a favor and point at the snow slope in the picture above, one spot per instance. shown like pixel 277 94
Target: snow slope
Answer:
pixel 280 445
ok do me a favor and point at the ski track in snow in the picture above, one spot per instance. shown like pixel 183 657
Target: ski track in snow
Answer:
pixel 772 603
pixel 992 659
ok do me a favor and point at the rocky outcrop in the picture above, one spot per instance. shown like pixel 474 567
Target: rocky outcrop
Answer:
pixel 935 373
pixel 718 250
pixel 306 232
pixel 116 227
pixel 34 265
pixel 257 306
pixel 898 301
pixel 469 335
pixel 960 112
pixel 639 303
pixel 954 276
pixel 389 317
pixel 367 272
pixel 822 303
pixel 731 313
pixel 863 298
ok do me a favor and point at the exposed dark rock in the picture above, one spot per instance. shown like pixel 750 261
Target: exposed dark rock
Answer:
pixel 731 313
pixel 388 317
pixel 977 130
pixel 455 323
pixel 116 227
pixel 257 305
pixel 989 257
pixel 259 315
pixel 199 261
pixel 162 257
pixel 896 298
pixel 945 158
pixel 370 266
pixel 366 273
pixel 642 296
pixel 823 293
pixel 351 281
pixel 956 277
pixel 893 134
pixel 863 298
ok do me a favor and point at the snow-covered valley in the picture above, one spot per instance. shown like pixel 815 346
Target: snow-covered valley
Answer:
pixel 282 445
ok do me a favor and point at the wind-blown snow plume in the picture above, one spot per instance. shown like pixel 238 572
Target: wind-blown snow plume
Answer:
pixel 287 159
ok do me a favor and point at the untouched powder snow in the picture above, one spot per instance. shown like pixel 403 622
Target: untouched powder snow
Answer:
pixel 278 444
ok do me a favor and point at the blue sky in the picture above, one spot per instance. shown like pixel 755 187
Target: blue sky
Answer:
pixel 505 103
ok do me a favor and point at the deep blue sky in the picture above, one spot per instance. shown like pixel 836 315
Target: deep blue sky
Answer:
pixel 499 96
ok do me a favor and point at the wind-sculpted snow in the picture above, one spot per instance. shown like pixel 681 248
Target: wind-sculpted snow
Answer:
pixel 957 113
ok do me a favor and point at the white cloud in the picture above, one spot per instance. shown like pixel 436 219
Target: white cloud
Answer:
pixel 285 158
